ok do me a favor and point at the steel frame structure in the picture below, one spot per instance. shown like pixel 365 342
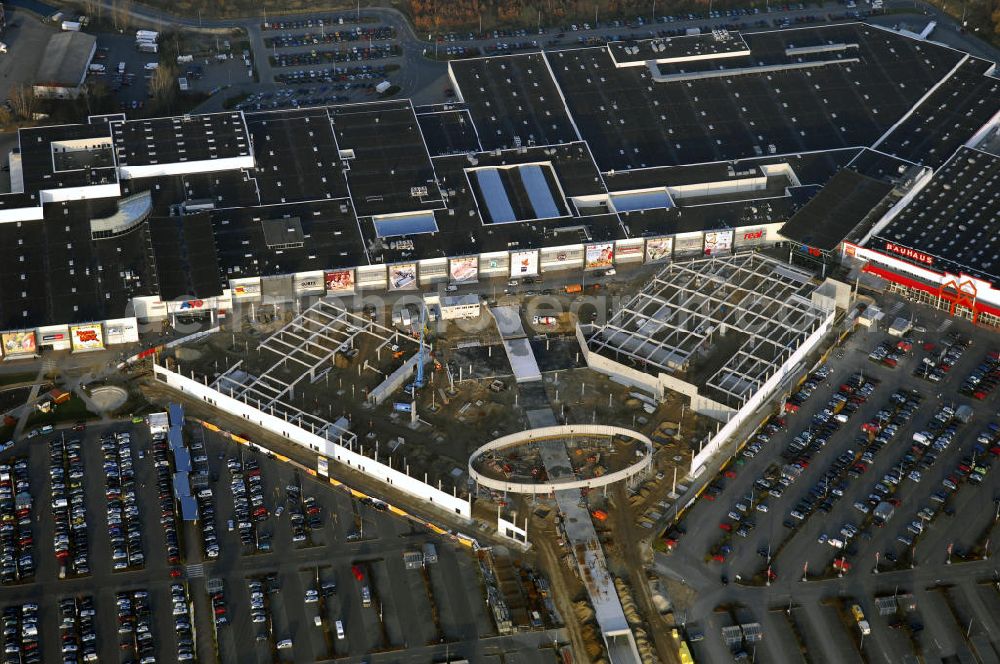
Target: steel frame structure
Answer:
pixel 309 341
pixel 676 318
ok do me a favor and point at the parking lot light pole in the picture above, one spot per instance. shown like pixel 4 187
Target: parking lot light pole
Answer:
pixel 875 570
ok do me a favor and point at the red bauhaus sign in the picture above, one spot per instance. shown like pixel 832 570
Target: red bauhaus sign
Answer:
pixel 912 254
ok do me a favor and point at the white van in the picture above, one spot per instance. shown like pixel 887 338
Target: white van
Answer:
pixel 340 629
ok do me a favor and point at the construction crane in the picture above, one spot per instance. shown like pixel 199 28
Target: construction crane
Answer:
pixel 419 382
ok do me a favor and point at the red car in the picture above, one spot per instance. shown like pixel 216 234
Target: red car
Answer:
pixel 727 527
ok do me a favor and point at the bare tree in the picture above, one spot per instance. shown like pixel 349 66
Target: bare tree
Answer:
pixel 23 100
pixel 163 84
pixel 121 13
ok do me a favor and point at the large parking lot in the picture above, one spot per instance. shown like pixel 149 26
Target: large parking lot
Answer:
pixel 882 460
pixel 279 567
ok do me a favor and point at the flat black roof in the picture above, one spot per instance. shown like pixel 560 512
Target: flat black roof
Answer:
pixel 330 239
pixel 513 101
pixel 448 131
pixel 947 118
pixel 52 271
pixel 955 218
pixel 631 121
pixel 847 200
pixel 817 99
pixel 810 168
pixel 39 165
pixel 390 170
pixel 186 262
pixel 297 158
pixel 180 138
pixel 667 221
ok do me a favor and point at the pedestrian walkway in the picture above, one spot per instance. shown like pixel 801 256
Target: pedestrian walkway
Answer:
pixel 515 343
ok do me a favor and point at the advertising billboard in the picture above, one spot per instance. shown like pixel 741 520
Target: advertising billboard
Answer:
pixel 628 250
pixel 120 331
pixel 748 237
pixel 718 243
pixel 87 337
pixel 524 264
pixel 308 283
pixel 464 269
pixel 19 343
pixel 189 306
pixel 599 256
pixel 659 249
pixel 246 290
pixel 403 276
pixel 339 281
pixel 688 245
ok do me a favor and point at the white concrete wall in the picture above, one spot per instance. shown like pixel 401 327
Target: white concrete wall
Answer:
pixel 618 371
pixel 11 215
pixel 112 190
pixel 561 431
pixel 317 444
pixel 186 167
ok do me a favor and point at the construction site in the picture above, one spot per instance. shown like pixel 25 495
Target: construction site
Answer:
pixel 427 401
pixel 591 457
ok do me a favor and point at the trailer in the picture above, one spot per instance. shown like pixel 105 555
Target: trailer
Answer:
pixel 413 560
pixel 900 327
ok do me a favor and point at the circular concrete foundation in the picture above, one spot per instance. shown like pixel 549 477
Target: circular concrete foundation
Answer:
pixel 558 435
pixel 108 397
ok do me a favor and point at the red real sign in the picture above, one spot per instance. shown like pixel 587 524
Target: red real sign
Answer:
pixel 912 254
pixel 754 235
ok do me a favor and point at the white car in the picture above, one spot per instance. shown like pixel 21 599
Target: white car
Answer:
pixel 284 644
